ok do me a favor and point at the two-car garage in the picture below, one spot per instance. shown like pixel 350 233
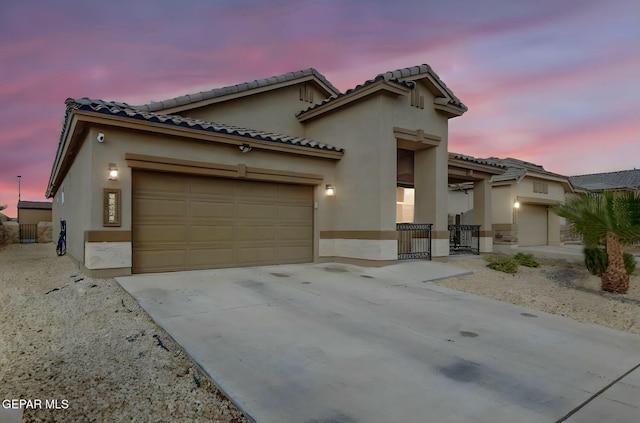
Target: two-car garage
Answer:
pixel 184 222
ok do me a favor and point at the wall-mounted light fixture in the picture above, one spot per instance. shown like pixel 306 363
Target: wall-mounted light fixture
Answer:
pixel 113 172
pixel 100 137
pixel 330 190
pixel 516 204
pixel 245 148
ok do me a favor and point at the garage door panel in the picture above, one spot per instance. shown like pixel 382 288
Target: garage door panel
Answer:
pixel 161 260
pixel 256 211
pixel 202 222
pixel 161 234
pixel 154 208
pixel 154 182
pixel 212 210
pixel 211 233
pixel 255 233
pixel 255 190
pixel 532 225
pixel 251 256
pixel 206 258
pixel 210 187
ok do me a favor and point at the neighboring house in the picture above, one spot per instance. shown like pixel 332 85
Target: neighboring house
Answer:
pixel 34 212
pixel 184 184
pixel 521 196
pixel 624 180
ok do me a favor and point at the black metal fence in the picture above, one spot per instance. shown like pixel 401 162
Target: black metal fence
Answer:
pixel 28 233
pixel 464 239
pixel 414 240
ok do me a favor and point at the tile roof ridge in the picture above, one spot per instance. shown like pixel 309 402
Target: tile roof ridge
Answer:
pixel 426 69
pixel 236 88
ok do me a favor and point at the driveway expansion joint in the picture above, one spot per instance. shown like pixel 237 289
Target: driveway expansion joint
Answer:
pixel 597 394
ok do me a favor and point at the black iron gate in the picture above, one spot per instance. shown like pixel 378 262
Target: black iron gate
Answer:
pixel 28 233
pixel 414 240
pixel 464 239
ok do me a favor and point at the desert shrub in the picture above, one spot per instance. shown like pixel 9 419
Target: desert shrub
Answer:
pixel 526 260
pixel 595 258
pixel 503 264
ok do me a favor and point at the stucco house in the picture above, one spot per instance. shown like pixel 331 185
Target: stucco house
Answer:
pixel 521 196
pixel 286 169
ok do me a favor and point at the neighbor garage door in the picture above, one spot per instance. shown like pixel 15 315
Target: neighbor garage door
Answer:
pixel 183 222
pixel 532 225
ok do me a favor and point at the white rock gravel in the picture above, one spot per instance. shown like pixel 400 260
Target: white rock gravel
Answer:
pixel 89 343
pixel 565 289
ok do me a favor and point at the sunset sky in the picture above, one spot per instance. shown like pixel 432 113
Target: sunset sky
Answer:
pixel 554 82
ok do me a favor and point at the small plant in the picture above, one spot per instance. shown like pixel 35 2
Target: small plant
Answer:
pixel 526 260
pixel 503 264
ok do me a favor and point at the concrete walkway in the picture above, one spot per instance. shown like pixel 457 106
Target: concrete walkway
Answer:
pixel 329 342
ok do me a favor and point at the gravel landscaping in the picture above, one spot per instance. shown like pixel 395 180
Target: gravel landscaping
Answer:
pixel 86 341
pixel 563 289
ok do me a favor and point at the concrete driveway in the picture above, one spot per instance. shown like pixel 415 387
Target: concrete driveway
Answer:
pixel 334 343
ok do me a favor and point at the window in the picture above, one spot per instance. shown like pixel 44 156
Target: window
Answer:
pixel 111 207
pixel 540 187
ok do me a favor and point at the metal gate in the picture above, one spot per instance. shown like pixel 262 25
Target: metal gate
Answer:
pixel 414 240
pixel 464 239
pixel 28 233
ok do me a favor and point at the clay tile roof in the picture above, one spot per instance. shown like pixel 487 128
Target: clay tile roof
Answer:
pixel 334 97
pixel 232 89
pixel 517 169
pixel 125 110
pixel 40 205
pixel 476 160
pixel 608 181
pixel 395 76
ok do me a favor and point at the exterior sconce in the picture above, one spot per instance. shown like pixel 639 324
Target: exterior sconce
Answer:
pixel 245 148
pixel 330 190
pixel 516 204
pixel 113 172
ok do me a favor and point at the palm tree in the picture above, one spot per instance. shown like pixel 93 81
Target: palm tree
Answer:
pixel 608 218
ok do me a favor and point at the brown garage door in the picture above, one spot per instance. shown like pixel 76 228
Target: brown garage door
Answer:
pixel 183 222
pixel 532 225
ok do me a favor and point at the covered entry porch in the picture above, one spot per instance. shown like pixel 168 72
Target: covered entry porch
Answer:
pixel 423 230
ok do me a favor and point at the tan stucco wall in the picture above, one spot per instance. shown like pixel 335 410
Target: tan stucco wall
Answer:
pixel 34 215
pixel 502 204
pixel 273 111
pixel 118 142
pixel 525 189
pixel 365 177
pixel 78 200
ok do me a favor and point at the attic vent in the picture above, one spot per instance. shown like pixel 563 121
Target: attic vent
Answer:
pixel 306 94
pixel 417 100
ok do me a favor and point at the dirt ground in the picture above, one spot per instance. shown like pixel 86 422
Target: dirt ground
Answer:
pixel 65 336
